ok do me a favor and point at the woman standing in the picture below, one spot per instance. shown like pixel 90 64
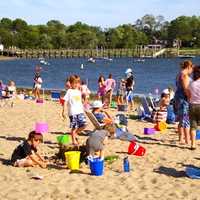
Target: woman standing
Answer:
pixel 101 88
pixel 110 86
pixel 181 101
pixel 194 108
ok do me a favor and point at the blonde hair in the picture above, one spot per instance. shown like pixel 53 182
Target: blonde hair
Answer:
pixel 186 64
pixel 74 79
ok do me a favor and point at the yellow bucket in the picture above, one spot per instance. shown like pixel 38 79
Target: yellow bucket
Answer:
pixel 72 159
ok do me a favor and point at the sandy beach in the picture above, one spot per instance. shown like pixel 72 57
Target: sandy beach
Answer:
pixel 2 58
pixel 157 175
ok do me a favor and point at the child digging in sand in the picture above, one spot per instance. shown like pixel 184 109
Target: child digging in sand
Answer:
pixel 74 104
pixel 26 155
pixel 95 143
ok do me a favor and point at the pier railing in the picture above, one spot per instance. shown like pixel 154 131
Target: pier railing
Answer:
pixel 70 53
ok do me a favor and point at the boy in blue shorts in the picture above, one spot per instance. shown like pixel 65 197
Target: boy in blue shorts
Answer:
pixel 74 104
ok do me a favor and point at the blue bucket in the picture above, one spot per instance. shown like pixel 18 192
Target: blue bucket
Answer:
pixel 96 166
pixel 197 134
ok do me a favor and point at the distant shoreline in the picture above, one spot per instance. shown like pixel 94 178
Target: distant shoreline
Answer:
pixel 7 58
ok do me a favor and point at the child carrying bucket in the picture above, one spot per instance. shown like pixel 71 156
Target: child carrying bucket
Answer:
pixel 74 104
pixel 26 155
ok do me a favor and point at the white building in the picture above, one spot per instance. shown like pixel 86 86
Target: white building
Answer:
pixel 1 47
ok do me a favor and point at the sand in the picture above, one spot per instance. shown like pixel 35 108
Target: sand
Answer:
pixel 157 175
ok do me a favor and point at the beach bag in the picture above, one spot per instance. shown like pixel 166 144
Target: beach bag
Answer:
pixel 121 119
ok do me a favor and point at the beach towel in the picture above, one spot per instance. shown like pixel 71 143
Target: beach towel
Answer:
pixel 193 173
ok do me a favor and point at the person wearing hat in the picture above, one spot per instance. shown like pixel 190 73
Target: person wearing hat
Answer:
pixel 129 87
pixel 103 116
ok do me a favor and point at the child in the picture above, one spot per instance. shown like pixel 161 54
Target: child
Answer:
pixel 75 108
pixel 11 89
pixel 101 88
pixel 117 128
pixel 25 155
pixel 85 92
pixel 160 115
pixel 121 92
pixel 103 117
pixel 95 143
pixel 37 85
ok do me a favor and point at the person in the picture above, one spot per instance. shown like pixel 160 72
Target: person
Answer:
pixel 2 88
pixel 85 93
pixel 110 86
pixel 181 104
pixel 74 104
pixel 26 154
pixel 116 127
pixel 96 142
pixel 130 82
pixel 194 107
pixel 101 88
pixel 10 89
pixel 121 92
pixel 160 114
pixel 103 116
pixel 37 85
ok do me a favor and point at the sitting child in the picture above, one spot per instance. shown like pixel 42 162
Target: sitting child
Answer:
pixel 95 143
pixel 160 114
pixel 25 155
pixel 103 117
pixel 117 128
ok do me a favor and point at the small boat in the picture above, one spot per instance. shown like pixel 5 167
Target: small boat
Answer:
pixel 91 60
pixel 139 60
pixel 108 59
pixel 44 62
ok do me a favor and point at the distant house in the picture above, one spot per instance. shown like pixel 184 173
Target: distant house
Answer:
pixel 1 47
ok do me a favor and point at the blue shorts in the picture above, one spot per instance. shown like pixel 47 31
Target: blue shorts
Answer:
pixel 77 121
pixel 129 96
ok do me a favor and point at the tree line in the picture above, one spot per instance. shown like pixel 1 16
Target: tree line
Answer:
pixel 55 35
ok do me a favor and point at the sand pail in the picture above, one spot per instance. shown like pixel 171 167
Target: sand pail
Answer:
pixel 41 127
pixel 63 139
pixel 96 166
pixel 197 134
pixel 73 159
pixel 160 126
pixel 62 101
pixel 39 101
pixel 149 131
pixel 136 149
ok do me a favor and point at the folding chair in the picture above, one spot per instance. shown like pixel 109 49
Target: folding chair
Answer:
pixel 94 121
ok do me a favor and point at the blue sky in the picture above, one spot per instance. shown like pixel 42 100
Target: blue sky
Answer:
pixel 104 13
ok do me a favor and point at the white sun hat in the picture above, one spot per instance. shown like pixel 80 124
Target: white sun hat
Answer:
pixel 129 70
pixel 96 104
pixel 165 91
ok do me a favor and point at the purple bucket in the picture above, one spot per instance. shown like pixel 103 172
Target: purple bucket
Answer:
pixel 39 101
pixel 149 131
pixel 41 127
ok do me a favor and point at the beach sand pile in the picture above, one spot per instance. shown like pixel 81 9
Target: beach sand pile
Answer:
pixel 157 175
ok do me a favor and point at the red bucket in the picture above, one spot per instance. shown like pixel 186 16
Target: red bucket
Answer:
pixel 136 149
pixel 62 101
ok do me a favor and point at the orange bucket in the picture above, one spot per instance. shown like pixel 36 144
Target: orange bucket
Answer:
pixel 160 126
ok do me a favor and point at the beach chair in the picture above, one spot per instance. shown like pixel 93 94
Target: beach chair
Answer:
pixel 94 121
pixel 55 95
pixel 147 108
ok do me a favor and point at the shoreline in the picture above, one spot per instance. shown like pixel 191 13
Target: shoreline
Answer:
pixel 2 58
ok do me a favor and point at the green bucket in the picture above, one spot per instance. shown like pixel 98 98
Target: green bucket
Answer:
pixel 63 139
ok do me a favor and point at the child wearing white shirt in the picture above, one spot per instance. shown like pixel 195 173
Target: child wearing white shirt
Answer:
pixel 74 104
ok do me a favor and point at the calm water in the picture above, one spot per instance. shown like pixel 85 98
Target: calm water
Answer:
pixel 151 74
